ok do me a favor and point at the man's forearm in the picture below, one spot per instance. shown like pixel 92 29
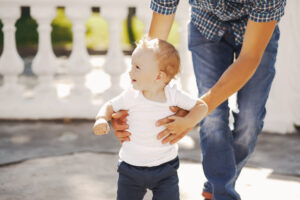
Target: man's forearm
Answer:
pixel 256 38
pixel 161 25
pixel 234 78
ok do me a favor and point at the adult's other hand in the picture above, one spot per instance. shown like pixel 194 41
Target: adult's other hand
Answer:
pixel 166 134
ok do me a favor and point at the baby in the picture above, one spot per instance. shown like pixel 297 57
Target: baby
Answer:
pixel 146 163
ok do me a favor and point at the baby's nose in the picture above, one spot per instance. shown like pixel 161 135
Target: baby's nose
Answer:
pixel 130 73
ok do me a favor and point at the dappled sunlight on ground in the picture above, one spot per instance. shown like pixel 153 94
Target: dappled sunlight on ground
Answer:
pixel 65 160
pixel 93 176
pixel 254 183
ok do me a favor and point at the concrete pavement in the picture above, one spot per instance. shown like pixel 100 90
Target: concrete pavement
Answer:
pixel 55 160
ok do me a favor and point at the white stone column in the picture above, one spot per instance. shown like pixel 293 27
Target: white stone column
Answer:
pixel 11 64
pixel 292 9
pixel 45 64
pixel 187 72
pixel 144 12
pixel 280 106
pixel 114 63
pixel 79 63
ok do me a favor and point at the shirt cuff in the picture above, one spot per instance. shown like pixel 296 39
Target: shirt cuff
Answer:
pixel 167 8
pixel 261 15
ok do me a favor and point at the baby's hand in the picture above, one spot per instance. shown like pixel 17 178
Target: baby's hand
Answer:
pixel 101 127
pixel 178 126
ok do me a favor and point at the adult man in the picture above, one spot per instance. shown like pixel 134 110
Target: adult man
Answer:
pixel 234 45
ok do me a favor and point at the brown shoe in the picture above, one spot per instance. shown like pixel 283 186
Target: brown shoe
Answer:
pixel 207 195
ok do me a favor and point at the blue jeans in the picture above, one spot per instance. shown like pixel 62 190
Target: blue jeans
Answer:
pixel 226 151
pixel 162 180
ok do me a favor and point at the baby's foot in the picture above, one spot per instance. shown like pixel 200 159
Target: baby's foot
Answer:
pixel 101 127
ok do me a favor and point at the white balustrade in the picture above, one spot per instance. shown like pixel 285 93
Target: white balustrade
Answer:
pixel 11 64
pixel 44 64
pixel 79 63
pixel 145 14
pixel 283 107
pixel 115 64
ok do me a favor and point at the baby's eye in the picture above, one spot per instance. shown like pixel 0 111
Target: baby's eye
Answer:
pixel 137 67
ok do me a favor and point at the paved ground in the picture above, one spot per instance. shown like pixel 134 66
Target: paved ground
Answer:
pixel 62 161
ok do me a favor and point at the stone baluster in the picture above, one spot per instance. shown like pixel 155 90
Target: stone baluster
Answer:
pixel 187 72
pixel 144 13
pixel 11 63
pixel 114 64
pixel 45 64
pixel 79 63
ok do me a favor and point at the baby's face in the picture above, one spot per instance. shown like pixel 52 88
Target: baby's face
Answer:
pixel 144 69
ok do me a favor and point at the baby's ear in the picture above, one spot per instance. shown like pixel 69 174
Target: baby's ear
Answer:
pixel 161 76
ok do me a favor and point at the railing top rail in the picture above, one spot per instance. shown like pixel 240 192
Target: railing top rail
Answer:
pixel 90 3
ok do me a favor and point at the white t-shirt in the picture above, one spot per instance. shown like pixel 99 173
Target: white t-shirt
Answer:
pixel 144 149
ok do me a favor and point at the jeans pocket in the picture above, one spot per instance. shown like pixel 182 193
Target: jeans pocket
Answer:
pixel 195 37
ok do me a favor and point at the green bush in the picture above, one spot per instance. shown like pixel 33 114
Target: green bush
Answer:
pixel 97 32
pixel 26 31
pixel 1 34
pixel 97 36
pixel 61 29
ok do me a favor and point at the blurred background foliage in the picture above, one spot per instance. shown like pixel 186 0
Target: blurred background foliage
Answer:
pixel 97 36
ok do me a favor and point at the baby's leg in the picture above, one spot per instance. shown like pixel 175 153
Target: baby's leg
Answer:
pixel 167 187
pixel 129 186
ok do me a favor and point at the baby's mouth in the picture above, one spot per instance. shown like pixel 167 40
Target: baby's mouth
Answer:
pixel 133 80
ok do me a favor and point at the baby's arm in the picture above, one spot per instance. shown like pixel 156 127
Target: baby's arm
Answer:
pixel 196 114
pixel 104 115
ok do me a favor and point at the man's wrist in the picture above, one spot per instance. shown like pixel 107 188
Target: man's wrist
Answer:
pixel 189 122
pixel 205 99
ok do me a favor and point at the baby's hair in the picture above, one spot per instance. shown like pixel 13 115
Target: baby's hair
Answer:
pixel 166 55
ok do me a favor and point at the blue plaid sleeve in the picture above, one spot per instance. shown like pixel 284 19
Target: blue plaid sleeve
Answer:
pixel 267 10
pixel 165 7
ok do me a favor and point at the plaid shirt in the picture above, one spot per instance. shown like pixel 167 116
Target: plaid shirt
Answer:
pixel 212 16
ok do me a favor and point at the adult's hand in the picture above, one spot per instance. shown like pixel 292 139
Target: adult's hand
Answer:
pixel 119 124
pixel 166 134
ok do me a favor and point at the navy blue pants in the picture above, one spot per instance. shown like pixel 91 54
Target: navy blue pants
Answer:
pixel 162 180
